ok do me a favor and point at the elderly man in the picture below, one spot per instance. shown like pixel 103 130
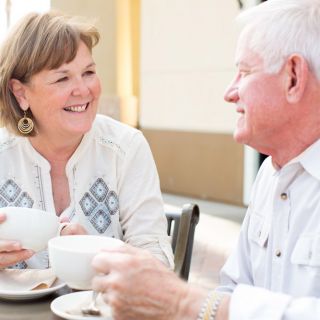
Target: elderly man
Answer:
pixel 276 91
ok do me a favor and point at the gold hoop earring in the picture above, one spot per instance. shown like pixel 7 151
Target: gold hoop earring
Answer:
pixel 25 124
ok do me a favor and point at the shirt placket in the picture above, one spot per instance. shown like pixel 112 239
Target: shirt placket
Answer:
pixel 280 224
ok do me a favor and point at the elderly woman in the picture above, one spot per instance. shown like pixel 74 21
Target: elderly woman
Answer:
pixel 57 155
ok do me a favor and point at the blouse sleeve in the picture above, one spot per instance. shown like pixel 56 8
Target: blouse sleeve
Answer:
pixel 142 215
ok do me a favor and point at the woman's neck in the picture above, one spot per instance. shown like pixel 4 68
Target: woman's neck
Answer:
pixel 55 150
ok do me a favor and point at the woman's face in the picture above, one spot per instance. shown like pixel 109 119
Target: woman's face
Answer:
pixel 64 101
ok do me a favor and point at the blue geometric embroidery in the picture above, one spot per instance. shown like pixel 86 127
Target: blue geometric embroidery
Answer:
pixel 11 195
pixel 101 221
pixel 10 190
pixel 3 203
pixel 24 200
pixel 19 265
pixel 112 202
pixel 99 189
pixel 99 204
pixel 88 204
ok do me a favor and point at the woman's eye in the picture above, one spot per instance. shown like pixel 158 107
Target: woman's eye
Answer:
pixel 62 79
pixel 89 73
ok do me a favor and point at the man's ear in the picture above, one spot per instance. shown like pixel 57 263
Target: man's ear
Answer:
pixel 18 89
pixel 297 72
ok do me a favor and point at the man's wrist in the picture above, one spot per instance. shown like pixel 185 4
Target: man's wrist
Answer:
pixel 210 306
pixel 223 308
pixel 190 303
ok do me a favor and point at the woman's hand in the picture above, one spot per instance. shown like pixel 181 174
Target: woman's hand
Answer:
pixel 71 228
pixel 11 251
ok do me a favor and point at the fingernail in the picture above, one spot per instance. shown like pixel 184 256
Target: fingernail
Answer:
pixel 16 245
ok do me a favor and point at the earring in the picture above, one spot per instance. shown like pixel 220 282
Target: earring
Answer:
pixel 25 124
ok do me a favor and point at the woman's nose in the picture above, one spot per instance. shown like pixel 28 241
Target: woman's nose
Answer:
pixel 231 94
pixel 80 88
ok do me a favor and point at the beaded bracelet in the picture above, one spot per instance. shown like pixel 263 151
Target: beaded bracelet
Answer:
pixel 210 306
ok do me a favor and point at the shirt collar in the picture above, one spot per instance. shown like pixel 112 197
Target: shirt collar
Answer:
pixel 309 159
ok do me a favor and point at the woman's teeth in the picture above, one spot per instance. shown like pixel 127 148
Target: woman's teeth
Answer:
pixel 79 108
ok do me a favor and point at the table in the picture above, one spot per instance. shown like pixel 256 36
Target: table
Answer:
pixel 37 309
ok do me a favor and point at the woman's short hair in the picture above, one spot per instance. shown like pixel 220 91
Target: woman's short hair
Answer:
pixel 38 42
pixel 276 29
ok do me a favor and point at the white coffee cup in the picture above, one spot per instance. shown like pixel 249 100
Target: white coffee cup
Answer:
pixel 71 256
pixel 31 227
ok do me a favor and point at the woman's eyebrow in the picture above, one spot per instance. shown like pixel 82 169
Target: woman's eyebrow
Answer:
pixel 64 71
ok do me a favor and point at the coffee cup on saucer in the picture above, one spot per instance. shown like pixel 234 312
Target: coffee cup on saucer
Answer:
pixel 71 256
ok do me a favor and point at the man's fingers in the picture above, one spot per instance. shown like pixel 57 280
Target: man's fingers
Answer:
pixel 100 283
pixel 122 256
pixel 103 262
pixel 125 249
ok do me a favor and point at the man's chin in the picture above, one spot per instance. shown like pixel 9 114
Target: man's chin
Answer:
pixel 240 137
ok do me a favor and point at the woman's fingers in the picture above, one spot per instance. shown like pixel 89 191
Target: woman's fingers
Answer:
pixel 72 229
pixel 9 258
pixel 8 245
pixel 11 253
pixel 2 217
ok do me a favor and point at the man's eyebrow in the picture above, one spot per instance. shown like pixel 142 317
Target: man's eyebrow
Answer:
pixel 242 64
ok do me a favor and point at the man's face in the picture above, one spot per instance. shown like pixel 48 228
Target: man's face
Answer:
pixel 259 98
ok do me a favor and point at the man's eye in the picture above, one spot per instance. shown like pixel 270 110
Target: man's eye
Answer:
pixel 244 73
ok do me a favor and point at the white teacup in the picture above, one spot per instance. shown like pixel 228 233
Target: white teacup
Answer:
pixel 70 257
pixel 31 227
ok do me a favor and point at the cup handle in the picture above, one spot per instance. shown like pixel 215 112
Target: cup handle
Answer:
pixel 61 226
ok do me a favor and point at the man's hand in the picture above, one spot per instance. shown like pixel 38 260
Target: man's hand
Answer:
pixel 138 286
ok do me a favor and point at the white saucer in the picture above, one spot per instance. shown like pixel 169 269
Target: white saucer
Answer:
pixel 63 306
pixel 31 294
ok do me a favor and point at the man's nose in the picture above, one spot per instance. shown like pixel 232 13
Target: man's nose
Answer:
pixel 231 94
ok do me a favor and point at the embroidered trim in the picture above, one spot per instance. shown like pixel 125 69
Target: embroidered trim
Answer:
pixel 99 204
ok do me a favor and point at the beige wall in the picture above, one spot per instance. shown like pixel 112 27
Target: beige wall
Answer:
pixel 105 52
pixel 202 165
pixel 187 55
pixel 187 60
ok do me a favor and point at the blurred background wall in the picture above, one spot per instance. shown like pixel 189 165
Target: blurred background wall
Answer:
pixel 164 66
pixel 187 49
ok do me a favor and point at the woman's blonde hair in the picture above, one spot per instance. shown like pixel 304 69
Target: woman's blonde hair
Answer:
pixel 38 42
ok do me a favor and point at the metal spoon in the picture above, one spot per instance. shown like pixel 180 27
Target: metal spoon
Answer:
pixel 92 309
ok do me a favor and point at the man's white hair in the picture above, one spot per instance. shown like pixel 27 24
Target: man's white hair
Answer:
pixel 276 29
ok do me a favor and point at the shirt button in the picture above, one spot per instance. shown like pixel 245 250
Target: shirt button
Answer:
pixel 284 196
pixel 278 253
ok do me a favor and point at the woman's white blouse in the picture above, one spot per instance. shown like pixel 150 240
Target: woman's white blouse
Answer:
pixel 113 184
